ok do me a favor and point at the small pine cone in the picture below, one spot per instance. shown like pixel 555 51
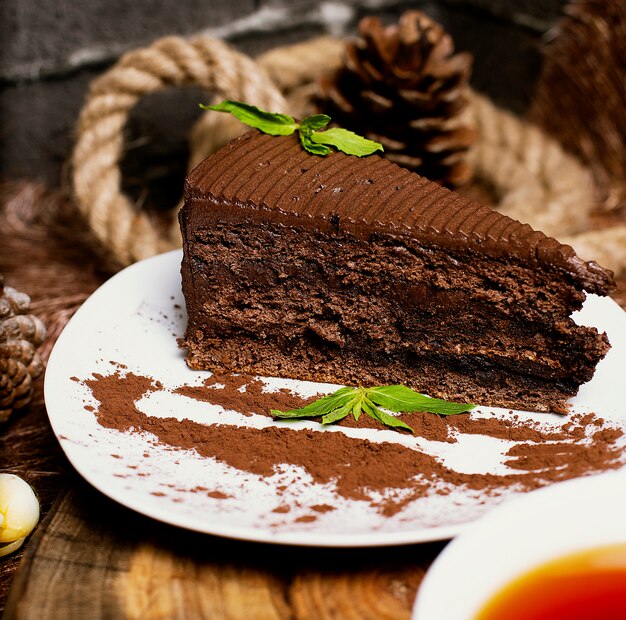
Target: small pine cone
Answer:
pixel 20 364
pixel 403 86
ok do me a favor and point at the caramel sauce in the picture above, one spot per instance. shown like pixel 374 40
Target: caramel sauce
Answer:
pixel 589 585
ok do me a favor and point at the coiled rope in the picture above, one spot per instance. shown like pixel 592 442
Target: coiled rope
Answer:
pixel 533 178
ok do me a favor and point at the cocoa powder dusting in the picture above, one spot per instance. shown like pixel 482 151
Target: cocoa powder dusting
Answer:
pixel 510 430
pixel 357 466
pixel 561 461
pixel 242 393
pixel 426 425
pixel 117 396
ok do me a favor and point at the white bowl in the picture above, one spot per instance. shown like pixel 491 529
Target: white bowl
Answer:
pixel 520 535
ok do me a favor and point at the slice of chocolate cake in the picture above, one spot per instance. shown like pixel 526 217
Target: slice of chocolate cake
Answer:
pixel 356 271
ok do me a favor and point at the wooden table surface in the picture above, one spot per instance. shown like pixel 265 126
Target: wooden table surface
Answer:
pixel 91 558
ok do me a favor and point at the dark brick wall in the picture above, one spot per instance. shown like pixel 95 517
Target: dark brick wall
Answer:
pixel 51 50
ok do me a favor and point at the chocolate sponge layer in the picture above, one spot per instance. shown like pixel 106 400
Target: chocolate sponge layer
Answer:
pixel 288 302
pixel 358 272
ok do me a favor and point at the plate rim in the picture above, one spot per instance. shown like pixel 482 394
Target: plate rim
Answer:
pixel 264 535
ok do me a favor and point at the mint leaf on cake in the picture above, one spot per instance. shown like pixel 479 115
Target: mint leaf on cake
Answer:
pixel 396 398
pixel 267 122
pixel 347 141
pixel 314 141
pixel 315 122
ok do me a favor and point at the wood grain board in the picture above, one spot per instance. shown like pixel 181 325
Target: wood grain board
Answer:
pixel 95 559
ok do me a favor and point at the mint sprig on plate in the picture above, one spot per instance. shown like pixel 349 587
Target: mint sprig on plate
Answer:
pixel 312 139
pixel 355 401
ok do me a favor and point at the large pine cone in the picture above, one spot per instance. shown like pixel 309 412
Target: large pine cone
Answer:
pixel 20 335
pixel 403 86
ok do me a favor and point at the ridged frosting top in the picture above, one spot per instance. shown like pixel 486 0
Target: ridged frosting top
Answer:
pixel 276 175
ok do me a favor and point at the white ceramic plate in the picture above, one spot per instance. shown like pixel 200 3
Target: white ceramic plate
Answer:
pixel 522 534
pixel 133 320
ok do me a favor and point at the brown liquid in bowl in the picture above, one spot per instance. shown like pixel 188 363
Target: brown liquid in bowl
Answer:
pixel 588 585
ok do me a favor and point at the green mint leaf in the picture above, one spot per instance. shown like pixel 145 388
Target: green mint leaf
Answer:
pixel 384 418
pixel 346 141
pixel 312 140
pixel 314 122
pixel 339 414
pixel 310 146
pixel 401 398
pixel 268 122
pixel 355 401
pixel 324 405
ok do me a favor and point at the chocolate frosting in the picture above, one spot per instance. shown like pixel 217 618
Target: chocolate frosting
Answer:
pixel 274 178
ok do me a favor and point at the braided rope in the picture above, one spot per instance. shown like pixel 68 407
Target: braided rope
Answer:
pixel 128 233
pixel 534 179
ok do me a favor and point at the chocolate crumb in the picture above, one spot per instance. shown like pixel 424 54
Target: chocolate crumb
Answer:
pixel 306 519
pixel 218 495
